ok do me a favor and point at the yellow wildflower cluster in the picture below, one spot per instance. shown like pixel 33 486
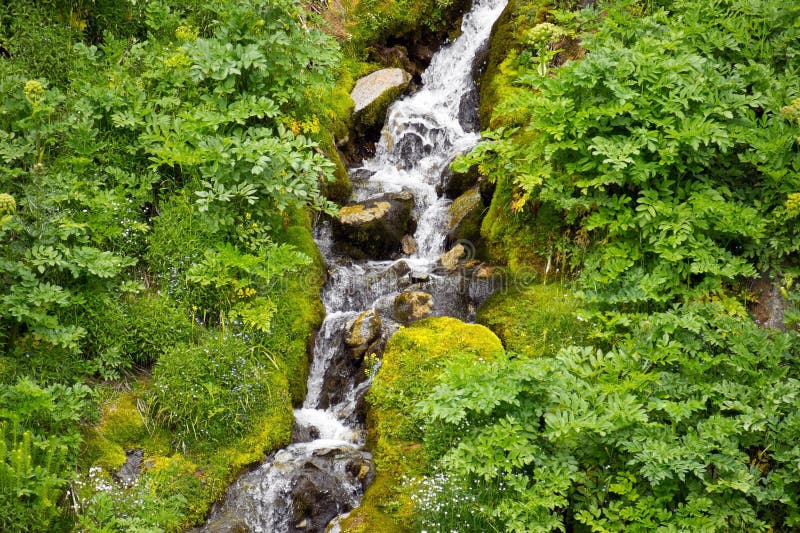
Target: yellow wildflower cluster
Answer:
pixel 8 206
pixel 246 292
pixel 178 60
pixel 186 33
pixel 310 125
pixel 791 112
pixel 793 204
pixel 34 92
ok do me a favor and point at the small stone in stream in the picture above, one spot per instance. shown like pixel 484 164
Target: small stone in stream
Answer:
pixel 363 471
pixel 419 276
pixel 450 259
pixel 362 331
pixel 302 525
pixel 472 263
pixel 360 174
pixel 410 306
pixel 399 269
pixel 485 271
pixel 409 245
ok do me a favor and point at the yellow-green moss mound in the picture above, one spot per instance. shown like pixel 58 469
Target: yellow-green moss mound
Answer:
pixel 414 359
pixel 534 320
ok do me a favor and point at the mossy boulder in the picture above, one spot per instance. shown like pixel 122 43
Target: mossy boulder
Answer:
pixel 340 188
pixel 412 363
pixel 375 228
pixel 465 215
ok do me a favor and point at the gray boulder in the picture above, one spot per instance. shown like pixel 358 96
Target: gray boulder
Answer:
pixel 375 228
pixel 371 88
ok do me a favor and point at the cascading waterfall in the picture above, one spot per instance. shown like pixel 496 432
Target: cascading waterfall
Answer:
pixel 324 472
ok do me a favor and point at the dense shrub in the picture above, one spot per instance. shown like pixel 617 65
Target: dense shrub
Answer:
pixel 668 149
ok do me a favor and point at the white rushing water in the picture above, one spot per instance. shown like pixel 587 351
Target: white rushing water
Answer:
pixel 423 133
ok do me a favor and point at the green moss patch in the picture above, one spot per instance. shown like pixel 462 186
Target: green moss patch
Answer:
pixel 414 359
pixel 534 320
pixel 526 240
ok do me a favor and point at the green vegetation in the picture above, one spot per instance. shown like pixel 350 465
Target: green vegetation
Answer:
pixel 158 162
pixel 648 150
pixel 414 359
pixel 532 318
pixel 161 161
pixel 161 164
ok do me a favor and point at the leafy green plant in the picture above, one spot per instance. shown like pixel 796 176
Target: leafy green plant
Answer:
pixel 677 166
pixel 39 441
pixel 245 281
pixel 687 423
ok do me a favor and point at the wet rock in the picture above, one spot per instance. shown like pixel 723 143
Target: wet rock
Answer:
pixel 229 521
pixel 457 183
pixel 487 189
pixel 370 88
pixel 362 332
pixel 485 272
pixel 410 306
pixel 321 488
pixel 465 215
pixel 399 269
pixel 359 175
pixel 339 377
pixel 304 433
pixel 129 472
pixel 468 110
pixel 418 276
pixel 374 228
pixel 409 245
pixel 412 147
pixel 450 259
pixel 768 310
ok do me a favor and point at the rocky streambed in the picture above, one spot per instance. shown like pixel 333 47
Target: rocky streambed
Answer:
pixel 401 250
